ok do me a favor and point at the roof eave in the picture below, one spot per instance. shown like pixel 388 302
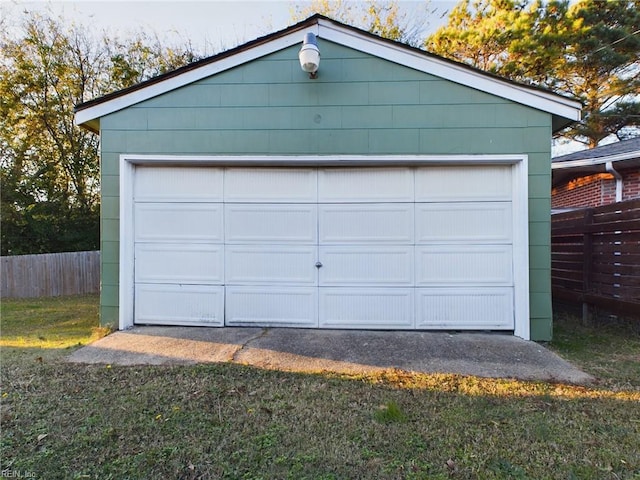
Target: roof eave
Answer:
pixel 563 171
pixel 559 123
pixel 93 125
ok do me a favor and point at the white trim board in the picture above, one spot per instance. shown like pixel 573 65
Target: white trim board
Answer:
pixel 364 42
pixel 590 162
pixel 520 214
pixel 318 160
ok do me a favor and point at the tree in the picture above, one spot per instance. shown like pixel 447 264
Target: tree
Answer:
pixel 384 19
pixel 589 49
pixel 49 168
pixel 144 56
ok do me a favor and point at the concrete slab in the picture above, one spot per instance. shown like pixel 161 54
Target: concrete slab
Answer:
pixel 166 346
pixel 342 351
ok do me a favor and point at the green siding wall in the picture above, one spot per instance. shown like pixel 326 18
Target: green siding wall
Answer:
pixel 359 104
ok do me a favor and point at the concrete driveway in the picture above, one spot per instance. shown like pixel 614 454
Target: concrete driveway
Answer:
pixel 342 351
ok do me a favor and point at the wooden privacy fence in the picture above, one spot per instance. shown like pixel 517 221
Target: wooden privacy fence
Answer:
pixel 50 274
pixel 595 256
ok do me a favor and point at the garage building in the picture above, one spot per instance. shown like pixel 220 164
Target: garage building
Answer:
pixel 393 190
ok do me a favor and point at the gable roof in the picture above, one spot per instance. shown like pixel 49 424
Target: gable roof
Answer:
pixel 618 155
pixel 564 110
pixel 617 149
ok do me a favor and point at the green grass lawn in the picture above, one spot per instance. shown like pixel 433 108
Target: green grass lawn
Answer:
pixel 610 352
pixel 66 421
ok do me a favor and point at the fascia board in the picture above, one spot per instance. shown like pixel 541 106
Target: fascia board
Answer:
pixel 548 102
pixel 87 115
pixel 589 162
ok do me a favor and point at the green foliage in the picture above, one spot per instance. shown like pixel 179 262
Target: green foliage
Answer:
pixel 144 56
pixel 49 168
pixel 588 49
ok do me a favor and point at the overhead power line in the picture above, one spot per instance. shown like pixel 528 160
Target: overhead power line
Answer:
pixel 617 41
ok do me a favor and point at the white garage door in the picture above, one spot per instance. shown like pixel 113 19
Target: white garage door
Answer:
pixel 394 248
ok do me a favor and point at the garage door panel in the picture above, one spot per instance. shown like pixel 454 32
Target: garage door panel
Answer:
pixel 179 263
pixel 464 265
pixel 459 308
pixel 270 223
pixel 486 222
pixel 270 264
pixel 179 304
pixel 336 185
pixel 398 247
pixel 367 308
pixel 366 265
pixel 463 183
pixel 178 184
pixel 270 185
pixel 366 223
pixel 272 306
pixel 179 222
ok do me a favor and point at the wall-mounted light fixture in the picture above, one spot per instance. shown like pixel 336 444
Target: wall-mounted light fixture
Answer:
pixel 310 55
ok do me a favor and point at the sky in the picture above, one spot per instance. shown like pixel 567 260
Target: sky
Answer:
pixel 212 26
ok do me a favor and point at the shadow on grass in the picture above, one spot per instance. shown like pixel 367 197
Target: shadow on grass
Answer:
pixel 230 421
pixel 233 421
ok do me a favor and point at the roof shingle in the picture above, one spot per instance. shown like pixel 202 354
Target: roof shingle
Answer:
pixel 625 146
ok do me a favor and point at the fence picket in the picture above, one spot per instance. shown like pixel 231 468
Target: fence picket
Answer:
pixel 50 274
pixel 603 252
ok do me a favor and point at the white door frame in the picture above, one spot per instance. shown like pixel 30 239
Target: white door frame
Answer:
pixel 128 163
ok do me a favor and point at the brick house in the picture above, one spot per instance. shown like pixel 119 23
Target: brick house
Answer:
pixel 595 177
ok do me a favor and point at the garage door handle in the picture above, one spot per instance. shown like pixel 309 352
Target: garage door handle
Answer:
pixel 318 264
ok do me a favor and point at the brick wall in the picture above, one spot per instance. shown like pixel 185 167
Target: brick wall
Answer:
pixel 588 191
pixel 595 190
pixel 631 184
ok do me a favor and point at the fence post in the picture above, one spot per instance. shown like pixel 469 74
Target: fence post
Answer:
pixel 587 263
